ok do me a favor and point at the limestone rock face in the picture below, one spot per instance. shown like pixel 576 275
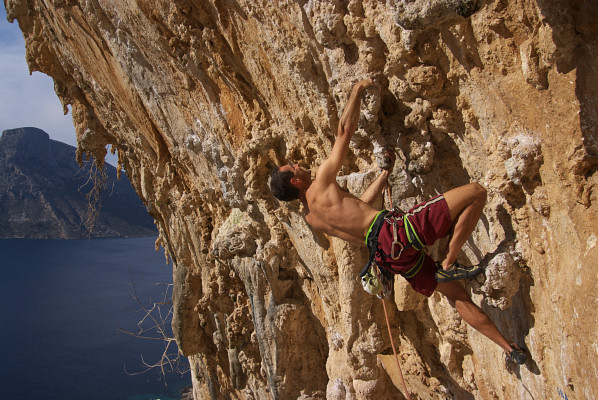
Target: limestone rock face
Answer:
pixel 202 98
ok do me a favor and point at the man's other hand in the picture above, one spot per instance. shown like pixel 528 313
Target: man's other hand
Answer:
pixel 386 160
pixel 366 83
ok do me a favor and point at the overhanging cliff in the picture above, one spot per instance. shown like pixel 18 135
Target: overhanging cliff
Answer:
pixel 201 98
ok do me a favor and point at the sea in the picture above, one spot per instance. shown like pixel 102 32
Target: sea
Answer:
pixel 63 304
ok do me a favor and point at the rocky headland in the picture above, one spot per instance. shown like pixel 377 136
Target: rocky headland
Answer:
pixel 44 193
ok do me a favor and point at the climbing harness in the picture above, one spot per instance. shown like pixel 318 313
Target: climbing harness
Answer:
pixel 375 279
pixel 413 241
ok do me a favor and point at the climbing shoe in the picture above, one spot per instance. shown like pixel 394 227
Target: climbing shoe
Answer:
pixel 456 271
pixel 517 355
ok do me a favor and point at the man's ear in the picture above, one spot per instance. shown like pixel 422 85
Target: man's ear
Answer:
pixel 295 181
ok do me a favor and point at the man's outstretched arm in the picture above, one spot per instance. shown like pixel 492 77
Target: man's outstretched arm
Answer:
pixel 346 127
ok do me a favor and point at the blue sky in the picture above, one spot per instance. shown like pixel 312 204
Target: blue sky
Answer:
pixel 29 100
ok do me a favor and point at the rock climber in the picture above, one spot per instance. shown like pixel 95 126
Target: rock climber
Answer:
pixel 333 211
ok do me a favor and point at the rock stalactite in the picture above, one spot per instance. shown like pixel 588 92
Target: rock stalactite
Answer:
pixel 202 98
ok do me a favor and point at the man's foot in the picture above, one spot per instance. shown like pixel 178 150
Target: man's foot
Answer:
pixel 517 355
pixel 456 272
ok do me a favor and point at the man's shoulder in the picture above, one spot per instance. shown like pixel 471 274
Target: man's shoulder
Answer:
pixel 322 184
pixel 327 172
pixel 326 193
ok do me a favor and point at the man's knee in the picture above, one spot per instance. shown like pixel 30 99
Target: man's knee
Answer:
pixel 472 194
pixel 479 192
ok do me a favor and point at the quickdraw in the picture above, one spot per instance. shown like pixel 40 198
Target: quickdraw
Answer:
pixel 395 242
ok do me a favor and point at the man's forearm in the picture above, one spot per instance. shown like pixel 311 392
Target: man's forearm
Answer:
pixel 373 192
pixel 350 118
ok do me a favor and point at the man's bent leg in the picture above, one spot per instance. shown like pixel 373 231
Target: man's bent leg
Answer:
pixel 472 314
pixel 465 205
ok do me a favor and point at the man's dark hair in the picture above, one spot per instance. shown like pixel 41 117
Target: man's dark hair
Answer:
pixel 281 186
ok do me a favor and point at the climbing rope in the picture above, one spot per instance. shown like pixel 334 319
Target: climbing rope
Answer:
pixel 394 350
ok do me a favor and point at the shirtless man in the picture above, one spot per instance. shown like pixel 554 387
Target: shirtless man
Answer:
pixel 335 212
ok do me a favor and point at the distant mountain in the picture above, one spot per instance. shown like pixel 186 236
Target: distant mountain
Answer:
pixel 42 192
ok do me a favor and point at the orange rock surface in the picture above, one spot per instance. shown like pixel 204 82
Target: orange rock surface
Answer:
pixel 202 98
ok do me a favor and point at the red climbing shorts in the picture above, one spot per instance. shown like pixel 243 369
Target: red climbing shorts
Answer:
pixel 431 221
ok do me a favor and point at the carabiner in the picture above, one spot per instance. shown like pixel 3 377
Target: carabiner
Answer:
pixel 395 242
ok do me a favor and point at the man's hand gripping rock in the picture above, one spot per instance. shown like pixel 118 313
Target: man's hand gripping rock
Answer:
pixel 386 160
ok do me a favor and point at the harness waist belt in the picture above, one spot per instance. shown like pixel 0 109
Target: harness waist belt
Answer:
pixel 374 231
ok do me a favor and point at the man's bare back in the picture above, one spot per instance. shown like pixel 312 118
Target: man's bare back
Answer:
pixel 335 212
